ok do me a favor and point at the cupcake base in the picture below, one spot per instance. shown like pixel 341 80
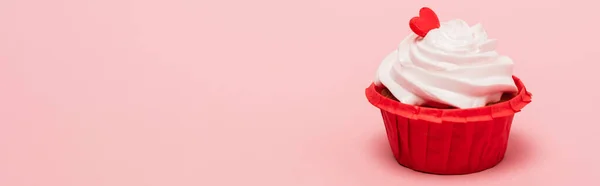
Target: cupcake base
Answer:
pixel 448 141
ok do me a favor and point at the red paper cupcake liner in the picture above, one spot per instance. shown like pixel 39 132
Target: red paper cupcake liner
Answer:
pixel 448 141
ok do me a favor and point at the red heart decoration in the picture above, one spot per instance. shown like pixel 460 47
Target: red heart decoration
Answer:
pixel 423 23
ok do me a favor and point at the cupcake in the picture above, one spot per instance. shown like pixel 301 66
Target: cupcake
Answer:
pixel 447 97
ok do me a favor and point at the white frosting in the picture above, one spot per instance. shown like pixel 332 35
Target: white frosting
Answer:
pixel 455 65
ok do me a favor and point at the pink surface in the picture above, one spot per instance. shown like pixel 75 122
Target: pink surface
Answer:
pixel 266 92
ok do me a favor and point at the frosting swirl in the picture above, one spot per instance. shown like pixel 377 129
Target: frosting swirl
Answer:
pixel 455 65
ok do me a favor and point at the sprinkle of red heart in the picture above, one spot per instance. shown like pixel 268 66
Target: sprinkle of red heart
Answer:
pixel 426 21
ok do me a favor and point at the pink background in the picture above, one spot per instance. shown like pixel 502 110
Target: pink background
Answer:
pixel 266 92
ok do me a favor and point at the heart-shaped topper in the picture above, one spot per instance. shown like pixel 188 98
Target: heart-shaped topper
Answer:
pixel 426 21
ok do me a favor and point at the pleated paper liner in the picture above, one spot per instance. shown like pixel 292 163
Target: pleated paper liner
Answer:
pixel 448 141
